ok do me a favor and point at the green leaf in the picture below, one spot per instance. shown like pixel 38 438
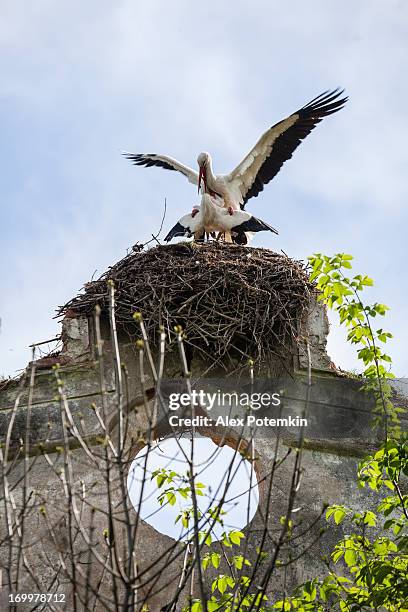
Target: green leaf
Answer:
pixel 239 561
pixel 309 590
pixel 370 518
pixel 235 537
pixel 226 541
pixel 381 309
pixel 171 498
pixel 339 516
pixel 222 584
pixel 337 554
pixel 245 580
pixel 350 557
pixel 389 484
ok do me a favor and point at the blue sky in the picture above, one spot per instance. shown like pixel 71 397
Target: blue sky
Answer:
pixel 80 81
pixel 239 486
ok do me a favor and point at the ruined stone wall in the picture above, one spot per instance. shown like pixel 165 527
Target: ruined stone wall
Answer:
pixel 332 448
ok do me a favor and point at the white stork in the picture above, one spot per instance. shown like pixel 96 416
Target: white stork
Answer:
pixel 261 164
pixel 211 217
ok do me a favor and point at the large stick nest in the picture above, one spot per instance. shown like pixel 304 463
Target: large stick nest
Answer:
pixel 230 300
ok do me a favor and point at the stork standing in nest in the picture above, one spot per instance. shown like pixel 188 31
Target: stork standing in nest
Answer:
pixel 261 164
pixel 236 225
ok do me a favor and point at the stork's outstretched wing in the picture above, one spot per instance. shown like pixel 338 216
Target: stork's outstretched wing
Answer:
pixel 162 161
pixel 186 226
pixel 278 143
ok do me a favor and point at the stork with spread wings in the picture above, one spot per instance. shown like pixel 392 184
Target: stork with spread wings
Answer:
pixel 261 164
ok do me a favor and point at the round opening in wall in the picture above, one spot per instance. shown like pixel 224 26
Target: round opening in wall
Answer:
pixel 159 487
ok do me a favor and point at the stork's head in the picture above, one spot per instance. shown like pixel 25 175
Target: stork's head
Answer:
pixel 204 162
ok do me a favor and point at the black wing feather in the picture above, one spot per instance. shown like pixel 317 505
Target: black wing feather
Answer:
pixel 310 115
pixel 254 225
pixel 177 230
pixel 145 159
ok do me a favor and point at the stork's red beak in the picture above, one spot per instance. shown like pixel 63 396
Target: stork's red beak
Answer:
pixel 202 176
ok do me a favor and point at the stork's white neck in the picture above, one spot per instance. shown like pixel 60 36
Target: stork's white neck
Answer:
pixel 211 178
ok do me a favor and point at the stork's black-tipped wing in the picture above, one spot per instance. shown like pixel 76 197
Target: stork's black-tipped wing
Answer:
pixel 162 161
pixel 277 145
pixel 254 225
pixel 188 225
pixel 177 230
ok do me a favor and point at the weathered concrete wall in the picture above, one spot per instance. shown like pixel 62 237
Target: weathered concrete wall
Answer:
pixel 335 441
